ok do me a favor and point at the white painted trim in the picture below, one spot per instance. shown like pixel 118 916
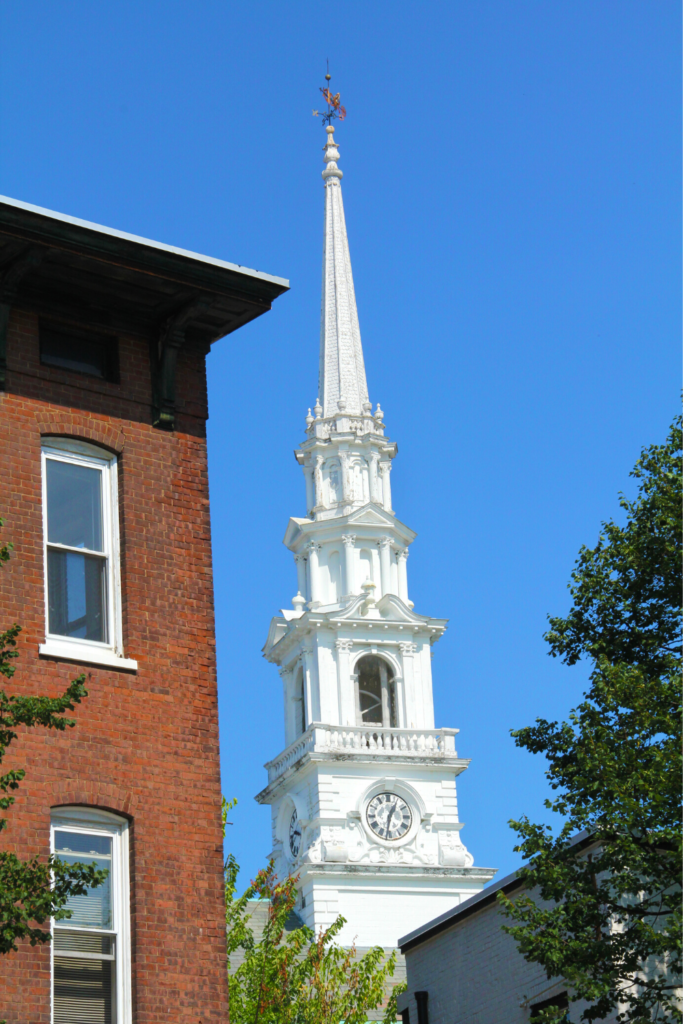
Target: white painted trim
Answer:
pixel 74 648
pixel 92 820
pixel 85 653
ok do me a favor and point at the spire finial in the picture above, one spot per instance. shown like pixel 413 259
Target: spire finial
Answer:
pixel 335 111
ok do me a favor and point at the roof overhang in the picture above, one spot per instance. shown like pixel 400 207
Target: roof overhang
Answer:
pixel 121 281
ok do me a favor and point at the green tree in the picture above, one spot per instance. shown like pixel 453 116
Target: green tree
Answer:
pixel 296 977
pixel 609 919
pixel 33 891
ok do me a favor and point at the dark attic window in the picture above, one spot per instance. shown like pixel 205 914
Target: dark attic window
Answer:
pixel 80 350
pixel 558 1002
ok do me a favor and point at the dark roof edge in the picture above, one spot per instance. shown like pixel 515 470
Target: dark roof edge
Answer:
pixel 281 282
pixel 471 906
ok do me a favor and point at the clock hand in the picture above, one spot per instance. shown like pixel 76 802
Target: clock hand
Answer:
pixel 393 808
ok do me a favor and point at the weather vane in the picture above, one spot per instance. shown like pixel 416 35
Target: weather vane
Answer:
pixel 335 111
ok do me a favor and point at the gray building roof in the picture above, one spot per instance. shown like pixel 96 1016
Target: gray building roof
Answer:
pixel 473 905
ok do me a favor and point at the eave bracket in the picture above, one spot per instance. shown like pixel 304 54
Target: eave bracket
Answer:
pixel 164 353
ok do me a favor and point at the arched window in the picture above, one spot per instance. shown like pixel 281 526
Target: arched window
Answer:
pixel 334 482
pixel 366 567
pixel 375 692
pixel 299 703
pixel 91 949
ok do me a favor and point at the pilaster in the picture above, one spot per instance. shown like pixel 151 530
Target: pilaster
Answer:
pixel 349 541
pixel 385 470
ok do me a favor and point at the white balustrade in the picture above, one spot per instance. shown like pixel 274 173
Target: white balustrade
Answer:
pixel 365 739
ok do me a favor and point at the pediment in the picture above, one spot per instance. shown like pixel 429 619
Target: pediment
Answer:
pixel 278 628
pixel 369 516
pixel 373 515
pixel 293 530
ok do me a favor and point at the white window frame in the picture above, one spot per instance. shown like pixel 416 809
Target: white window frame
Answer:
pixel 93 821
pixel 109 654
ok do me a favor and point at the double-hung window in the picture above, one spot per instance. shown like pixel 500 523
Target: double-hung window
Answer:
pixel 91 949
pixel 82 577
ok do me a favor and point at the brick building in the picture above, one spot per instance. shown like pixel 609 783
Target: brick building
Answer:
pixel 103 339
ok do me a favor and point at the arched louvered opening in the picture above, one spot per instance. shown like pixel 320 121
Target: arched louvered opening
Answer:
pixel 375 692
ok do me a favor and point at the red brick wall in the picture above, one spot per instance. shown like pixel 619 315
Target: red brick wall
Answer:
pixel 146 743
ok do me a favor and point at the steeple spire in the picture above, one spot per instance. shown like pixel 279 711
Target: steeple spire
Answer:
pixel 342 383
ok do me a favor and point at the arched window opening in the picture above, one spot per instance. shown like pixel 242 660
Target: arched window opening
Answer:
pixel 366 572
pixel 361 490
pixel 91 948
pixel 299 704
pixel 334 482
pixel 376 693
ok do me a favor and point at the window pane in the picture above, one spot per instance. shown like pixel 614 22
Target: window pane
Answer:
pixel 74 505
pixel 94 909
pixel 83 942
pixel 370 690
pixel 83 991
pixel 82 351
pixel 77 595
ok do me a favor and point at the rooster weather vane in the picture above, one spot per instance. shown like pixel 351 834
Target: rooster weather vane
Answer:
pixel 335 111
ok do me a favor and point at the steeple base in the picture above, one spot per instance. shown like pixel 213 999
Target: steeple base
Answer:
pixel 367 819
pixel 382 901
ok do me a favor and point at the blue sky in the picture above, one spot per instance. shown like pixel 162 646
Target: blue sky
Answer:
pixel 512 198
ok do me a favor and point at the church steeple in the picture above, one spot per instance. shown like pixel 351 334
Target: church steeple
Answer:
pixel 346 457
pixel 342 383
pixel 363 796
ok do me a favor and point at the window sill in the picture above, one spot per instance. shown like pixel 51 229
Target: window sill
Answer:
pixel 85 653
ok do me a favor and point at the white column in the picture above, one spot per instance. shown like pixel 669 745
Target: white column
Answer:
pixel 301 574
pixel 313 571
pixel 286 677
pixel 356 697
pixel 394 570
pixel 306 658
pixel 347 490
pixel 349 580
pixel 400 702
pixel 310 490
pixel 318 481
pixel 385 470
pixel 386 706
pixel 374 482
pixel 347 697
pixel 411 699
pixel 385 564
pixel 403 575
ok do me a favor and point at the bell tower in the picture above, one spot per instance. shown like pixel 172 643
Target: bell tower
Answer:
pixel 363 796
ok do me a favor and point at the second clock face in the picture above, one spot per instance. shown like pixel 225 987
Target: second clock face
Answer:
pixel 389 816
pixel 294 835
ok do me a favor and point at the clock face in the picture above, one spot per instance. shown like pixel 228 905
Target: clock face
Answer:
pixel 294 835
pixel 389 816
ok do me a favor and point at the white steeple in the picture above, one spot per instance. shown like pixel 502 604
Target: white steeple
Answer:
pixel 363 797
pixel 342 370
